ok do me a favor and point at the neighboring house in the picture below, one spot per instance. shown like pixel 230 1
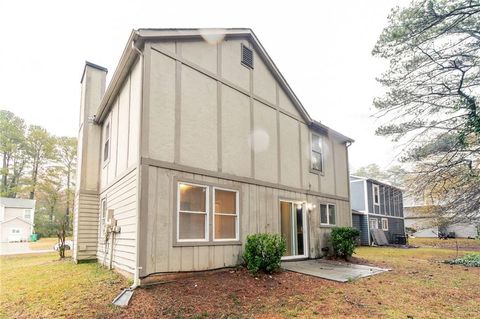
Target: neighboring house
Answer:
pixel 421 221
pixel 376 205
pixel 197 142
pixel 16 219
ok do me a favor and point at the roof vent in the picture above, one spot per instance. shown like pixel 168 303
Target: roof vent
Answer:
pixel 247 57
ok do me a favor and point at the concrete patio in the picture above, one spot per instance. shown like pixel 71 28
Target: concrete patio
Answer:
pixel 336 271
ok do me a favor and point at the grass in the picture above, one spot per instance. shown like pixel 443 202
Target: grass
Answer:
pixel 451 243
pixel 44 243
pixel 41 285
pixel 420 285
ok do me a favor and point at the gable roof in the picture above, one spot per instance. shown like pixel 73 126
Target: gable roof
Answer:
pixel 17 202
pixel 21 219
pixel 139 37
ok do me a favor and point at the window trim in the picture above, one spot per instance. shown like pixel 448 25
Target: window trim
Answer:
pixel 210 242
pixel 30 213
pixel 370 223
pixel 377 188
pixel 384 220
pixel 237 213
pixel 328 215
pixel 108 124
pixel 322 159
pixel 206 213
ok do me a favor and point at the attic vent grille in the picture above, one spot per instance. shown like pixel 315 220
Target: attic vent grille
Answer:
pixel 247 57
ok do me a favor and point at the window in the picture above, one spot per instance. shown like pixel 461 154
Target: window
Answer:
pixel 225 214
pixel 247 57
pixel 27 214
pixel 327 214
pixel 15 230
pixel 384 224
pixel 106 143
pixel 373 223
pixel 192 212
pixel 376 195
pixel 317 154
pixel 103 215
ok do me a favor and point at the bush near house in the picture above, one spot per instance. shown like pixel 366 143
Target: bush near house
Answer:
pixel 343 241
pixel 263 252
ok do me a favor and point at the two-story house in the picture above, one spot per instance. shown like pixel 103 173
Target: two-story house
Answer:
pixel 16 219
pixel 197 142
pixel 376 205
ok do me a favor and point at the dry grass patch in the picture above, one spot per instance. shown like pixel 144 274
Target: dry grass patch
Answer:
pixel 42 286
pixel 45 243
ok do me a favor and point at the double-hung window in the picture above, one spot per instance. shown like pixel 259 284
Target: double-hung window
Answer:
pixel 225 214
pixel 373 223
pixel 317 153
pixel 192 212
pixel 27 214
pixel 384 224
pixel 327 214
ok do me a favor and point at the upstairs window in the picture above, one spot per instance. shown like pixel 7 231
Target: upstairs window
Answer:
pixel 27 214
pixel 106 143
pixel 317 153
pixel 327 214
pixel 376 194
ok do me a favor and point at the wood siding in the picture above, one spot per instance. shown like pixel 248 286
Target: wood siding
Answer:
pixel 122 198
pixel 85 224
pixel 259 212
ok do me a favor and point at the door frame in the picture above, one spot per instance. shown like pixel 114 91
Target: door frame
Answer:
pixel 305 227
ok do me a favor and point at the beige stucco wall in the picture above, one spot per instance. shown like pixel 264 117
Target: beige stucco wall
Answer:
pixel 206 110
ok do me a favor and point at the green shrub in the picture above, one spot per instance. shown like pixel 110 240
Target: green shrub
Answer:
pixel 343 241
pixel 263 252
pixel 469 260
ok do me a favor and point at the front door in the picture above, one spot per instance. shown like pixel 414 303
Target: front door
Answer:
pixel 293 228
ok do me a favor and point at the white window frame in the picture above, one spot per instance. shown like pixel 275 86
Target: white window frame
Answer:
pixel 206 213
pixel 376 189
pixel 322 161
pixel 108 129
pixel 25 213
pixel 18 231
pixel 375 220
pixel 237 212
pixel 328 214
pixel 385 222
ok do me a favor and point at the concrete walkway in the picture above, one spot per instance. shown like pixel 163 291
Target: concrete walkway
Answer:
pixel 19 249
pixel 336 271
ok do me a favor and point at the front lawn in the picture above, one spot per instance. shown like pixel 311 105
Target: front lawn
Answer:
pixel 42 286
pixel 419 286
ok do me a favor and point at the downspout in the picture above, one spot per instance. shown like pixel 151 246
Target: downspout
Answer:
pixel 347 145
pixel 367 210
pixel 136 278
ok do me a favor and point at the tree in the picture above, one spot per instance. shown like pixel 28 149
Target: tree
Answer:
pixel 12 150
pixel 40 148
pixel 431 103
pixel 67 156
pixel 394 175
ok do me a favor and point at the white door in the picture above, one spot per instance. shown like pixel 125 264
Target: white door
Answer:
pixel 293 228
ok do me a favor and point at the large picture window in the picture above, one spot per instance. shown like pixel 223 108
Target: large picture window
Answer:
pixel 192 214
pixel 327 214
pixel 317 153
pixel 225 214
